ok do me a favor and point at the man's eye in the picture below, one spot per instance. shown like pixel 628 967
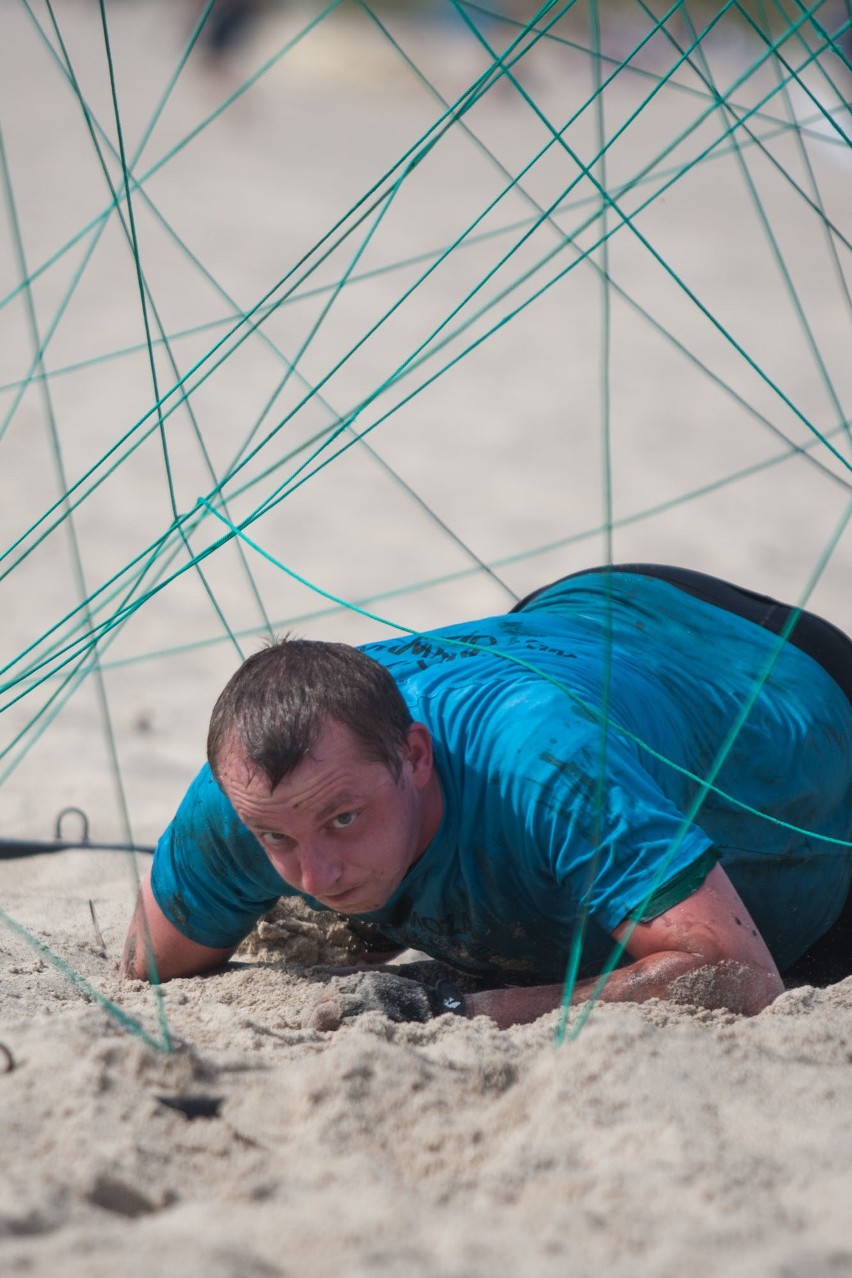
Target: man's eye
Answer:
pixel 343 820
pixel 273 836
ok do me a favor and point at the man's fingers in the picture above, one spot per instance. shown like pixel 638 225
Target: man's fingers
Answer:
pixel 396 997
pixel 393 996
pixel 327 1014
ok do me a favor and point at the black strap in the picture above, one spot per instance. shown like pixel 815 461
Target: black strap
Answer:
pixel 449 999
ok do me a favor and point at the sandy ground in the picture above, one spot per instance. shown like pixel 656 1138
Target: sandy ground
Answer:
pixel 663 1140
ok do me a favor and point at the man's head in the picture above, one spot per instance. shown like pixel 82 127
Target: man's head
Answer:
pixel 316 750
pixel 280 699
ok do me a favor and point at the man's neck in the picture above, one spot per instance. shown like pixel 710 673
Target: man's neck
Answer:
pixel 432 812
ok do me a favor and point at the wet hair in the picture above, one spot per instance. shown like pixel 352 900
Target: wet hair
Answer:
pixel 278 702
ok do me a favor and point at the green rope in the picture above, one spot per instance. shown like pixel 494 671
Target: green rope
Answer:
pixel 78 569
pixel 85 987
pixel 430 583
pixel 413 362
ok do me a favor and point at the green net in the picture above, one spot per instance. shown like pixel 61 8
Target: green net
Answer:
pixel 381 323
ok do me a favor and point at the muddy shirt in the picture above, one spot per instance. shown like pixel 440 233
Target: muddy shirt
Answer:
pixel 571 740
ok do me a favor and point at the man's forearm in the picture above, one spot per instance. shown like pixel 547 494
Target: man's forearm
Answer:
pixel 155 949
pixel 676 976
pixel 134 959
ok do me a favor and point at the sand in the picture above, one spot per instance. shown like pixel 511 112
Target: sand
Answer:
pixel 664 1140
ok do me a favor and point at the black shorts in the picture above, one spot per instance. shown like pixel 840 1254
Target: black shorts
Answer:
pixel 826 643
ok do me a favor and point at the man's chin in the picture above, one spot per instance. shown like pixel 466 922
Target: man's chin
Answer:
pixel 358 901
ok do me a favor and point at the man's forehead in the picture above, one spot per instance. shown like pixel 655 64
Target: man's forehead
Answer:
pixel 336 751
pixel 236 768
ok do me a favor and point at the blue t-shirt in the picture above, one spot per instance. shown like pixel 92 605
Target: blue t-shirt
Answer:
pixel 570 741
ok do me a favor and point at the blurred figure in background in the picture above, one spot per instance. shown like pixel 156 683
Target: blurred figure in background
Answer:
pixel 227 26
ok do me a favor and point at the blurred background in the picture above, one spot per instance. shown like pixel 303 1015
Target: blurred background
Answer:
pixel 434 302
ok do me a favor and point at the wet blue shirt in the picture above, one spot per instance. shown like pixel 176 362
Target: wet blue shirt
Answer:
pixel 571 795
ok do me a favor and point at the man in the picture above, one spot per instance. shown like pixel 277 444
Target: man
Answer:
pixel 507 794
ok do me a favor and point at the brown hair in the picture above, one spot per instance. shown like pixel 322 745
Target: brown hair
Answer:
pixel 279 700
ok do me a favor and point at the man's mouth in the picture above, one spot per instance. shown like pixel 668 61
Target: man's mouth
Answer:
pixel 339 897
pixel 356 900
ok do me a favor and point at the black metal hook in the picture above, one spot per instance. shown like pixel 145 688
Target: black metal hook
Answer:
pixel 33 847
pixel 84 837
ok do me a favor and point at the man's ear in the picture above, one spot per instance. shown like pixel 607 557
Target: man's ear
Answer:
pixel 417 752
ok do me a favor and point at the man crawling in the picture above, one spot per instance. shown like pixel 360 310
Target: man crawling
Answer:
pixel 642 757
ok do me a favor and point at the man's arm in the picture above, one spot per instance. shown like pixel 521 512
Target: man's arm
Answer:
pixel 705 950
pixel 152 935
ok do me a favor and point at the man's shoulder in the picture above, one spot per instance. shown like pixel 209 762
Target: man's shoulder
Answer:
pixel 210 876
pixel 203 794
pixel 206 814
pixel 503 644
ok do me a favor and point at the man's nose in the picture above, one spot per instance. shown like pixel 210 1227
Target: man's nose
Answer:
pixel 320 869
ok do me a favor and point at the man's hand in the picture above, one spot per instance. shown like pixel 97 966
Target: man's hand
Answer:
pixel 395 996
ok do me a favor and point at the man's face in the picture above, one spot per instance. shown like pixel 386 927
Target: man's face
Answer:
pixel 339 827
